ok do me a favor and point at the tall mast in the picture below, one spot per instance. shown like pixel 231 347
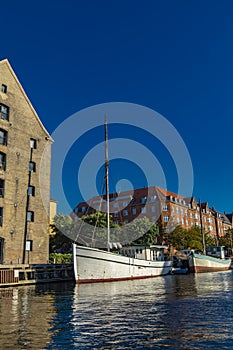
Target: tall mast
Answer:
pixel 202 231
pixel 107 180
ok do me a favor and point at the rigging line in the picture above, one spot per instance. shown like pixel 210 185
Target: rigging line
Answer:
pixel 98 211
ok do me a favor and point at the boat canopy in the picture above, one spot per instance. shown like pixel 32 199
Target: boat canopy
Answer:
pixel 159 247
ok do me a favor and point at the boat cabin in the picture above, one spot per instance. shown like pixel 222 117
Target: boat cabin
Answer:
pixel 153 252
pixel 216 251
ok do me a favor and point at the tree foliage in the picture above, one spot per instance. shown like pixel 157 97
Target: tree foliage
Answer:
pixel 145 231
pixel 61 240
pixel 140 231
pixel 227 239
pixel 181 238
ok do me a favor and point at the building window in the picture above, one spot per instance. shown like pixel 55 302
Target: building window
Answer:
pixel 115 214
pixel 31 191
pixel 2 186
pixel 32 166
pixel 143 200
pixel 125 212
pixel 84 209
pixel 125 204
pixel 4 112
pixel 191 215
pixel 2 161
pixel 165 208
pixel 3 137
pixel 153 219
pixel 29 245
pixel 1 216
pixel 143 210
pixel 4 88
pixel 115 205
pixel 153 209
pixel 134 211
pixel 153 198
pixel 187 222
pixel 33 143
pixel 166 218
pixel 30 216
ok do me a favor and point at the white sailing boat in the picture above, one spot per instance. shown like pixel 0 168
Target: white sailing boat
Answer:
pixel 131 262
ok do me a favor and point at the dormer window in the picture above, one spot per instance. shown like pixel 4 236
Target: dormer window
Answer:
pixel 143 200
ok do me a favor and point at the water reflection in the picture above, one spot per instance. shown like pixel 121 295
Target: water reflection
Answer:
pixel 176 312
pixel 25 318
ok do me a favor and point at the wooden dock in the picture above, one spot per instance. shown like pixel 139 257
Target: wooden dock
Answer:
pixel 23 274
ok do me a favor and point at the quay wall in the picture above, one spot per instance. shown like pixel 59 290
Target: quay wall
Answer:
pixel 23 274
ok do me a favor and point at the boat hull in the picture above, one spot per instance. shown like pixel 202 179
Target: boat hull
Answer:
pixel 94 265
pixel 204 263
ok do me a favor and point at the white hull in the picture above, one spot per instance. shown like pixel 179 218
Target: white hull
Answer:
pixel 205 263
pixel 94 265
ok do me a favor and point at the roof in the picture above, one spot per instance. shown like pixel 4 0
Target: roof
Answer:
pixel 6 62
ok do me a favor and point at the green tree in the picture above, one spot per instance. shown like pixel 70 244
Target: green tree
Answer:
pixel 181 238
pixel 227 239
pixel 61 239
pixel 95 233
pixel 149 237
pixel 140 231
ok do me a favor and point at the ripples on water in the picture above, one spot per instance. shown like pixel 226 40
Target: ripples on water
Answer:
pixel 175 312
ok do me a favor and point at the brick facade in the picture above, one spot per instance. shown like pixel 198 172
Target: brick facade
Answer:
pixel 24 226
pixel 159 205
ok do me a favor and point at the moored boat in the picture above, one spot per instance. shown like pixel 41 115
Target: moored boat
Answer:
pixel 102 265
pixel 213 260
pixel 95 265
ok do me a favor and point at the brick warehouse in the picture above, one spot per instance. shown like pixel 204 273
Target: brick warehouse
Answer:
pixel 24 221
pixel 162 206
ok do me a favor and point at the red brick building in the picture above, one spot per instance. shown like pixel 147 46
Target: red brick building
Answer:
pixel 159 205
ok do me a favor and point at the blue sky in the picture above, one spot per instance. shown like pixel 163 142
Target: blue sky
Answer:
pixel 174 57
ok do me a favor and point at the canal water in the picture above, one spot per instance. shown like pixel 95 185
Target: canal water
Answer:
pixel 171 312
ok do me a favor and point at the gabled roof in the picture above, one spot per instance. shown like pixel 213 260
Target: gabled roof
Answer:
pixel 168 193
pixel 6 62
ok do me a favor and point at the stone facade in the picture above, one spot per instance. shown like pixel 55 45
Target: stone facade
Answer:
pixel 25 155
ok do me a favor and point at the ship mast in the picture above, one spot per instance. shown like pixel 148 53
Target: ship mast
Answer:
pixel 202 231
pixel 107 181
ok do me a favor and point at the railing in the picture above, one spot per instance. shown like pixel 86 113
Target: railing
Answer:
pixel 8 276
